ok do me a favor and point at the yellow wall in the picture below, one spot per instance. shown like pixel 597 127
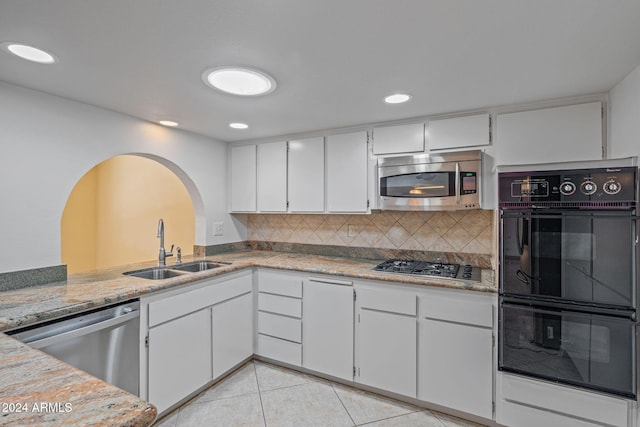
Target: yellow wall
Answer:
pixel 112 214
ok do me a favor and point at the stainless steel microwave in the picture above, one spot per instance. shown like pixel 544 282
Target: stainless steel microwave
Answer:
pixel 442 181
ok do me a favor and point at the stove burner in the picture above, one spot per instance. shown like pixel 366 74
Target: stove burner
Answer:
pixel 423 268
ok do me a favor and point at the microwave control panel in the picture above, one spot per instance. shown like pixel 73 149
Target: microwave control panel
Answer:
pixel 603 185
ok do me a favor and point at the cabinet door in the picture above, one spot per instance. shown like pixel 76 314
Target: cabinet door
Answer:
pixel 557 134
pixel 306 175
pixel 272 177
pixel 387 351
pixel 459 132
pixel 232 333
pixel 327 332
pixel 398 139
pixel 456 366
pixel 347 172
pixel 243 178
pixel 179 358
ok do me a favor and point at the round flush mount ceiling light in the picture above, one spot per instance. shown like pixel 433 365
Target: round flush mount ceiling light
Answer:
pixel 169 123
pixel 29 53
pixel 397 98
pixel 238 125
pixel 240 81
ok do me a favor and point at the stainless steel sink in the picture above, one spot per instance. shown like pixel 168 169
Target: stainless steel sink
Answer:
pixel 194 267
pixel 155 273
pixel 160 273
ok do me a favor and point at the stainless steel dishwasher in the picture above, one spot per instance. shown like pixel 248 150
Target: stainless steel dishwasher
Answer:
pixel 103 342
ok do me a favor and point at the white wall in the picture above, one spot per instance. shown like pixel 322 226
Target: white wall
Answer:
pixel 624 131
pixel 48 143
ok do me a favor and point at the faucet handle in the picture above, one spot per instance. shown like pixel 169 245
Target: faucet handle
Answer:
pixel 170 253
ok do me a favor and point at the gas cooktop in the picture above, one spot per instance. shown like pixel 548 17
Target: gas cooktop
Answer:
pixel 427 268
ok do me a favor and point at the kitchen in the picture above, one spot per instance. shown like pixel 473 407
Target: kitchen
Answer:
pixel 56 127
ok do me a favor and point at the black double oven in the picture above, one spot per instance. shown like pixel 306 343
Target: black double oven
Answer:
pixel 568 276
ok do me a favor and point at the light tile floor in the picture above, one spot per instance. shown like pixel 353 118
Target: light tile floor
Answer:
pixel 261 394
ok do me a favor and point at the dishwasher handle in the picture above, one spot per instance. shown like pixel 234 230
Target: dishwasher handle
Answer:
pixel 55 339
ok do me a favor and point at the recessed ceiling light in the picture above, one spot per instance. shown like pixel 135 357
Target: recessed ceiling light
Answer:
pixel 239 81
pixel 397 98
pixel 29 53
pixel 169 123
pixel 238 125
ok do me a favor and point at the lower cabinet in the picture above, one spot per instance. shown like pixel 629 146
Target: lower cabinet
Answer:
pixel 456 351
pixel 179 358
pixel 232 333
pixel 386 339
pixel 327 326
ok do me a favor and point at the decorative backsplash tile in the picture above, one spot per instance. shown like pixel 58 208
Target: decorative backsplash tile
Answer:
pixel 469 231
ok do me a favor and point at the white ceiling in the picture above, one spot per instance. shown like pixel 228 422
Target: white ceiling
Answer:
pixel 334 60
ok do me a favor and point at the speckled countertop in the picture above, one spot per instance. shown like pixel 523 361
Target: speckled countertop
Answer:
pixel 30 377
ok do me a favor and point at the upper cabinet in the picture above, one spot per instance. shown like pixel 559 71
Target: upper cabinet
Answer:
pixel 306 175
pixel 458 132
pixel 398 139
pixel 272 177
pixel 556 134
pixel 347 172
pixel 243 178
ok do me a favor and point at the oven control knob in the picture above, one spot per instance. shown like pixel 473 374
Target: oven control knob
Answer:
pixel 567 188
pixel 588 187
pixel 612 187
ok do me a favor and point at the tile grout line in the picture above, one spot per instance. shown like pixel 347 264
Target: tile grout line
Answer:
pixel 255 372
pixel 342 403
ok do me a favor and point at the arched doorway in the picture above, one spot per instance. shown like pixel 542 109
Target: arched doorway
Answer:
pixel 111 216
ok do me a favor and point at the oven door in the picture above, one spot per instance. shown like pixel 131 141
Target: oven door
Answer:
pixel 586 257
pixel 591 350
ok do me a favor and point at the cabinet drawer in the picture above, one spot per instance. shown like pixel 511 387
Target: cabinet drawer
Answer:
pixel 280 326
pixel 190 301
pixel 458 308
pixel 277 349
pixel 391 300
pixel 280 305
pixel 278 283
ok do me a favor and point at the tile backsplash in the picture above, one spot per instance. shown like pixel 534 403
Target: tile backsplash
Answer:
pixel 470 232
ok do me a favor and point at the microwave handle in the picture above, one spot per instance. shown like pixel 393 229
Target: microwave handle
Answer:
pixel 457 183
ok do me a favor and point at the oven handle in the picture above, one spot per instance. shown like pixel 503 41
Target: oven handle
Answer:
pixel 55 339
pixel 457 183
pixel 545 306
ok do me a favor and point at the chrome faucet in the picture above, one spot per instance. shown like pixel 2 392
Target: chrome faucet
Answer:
pixel 162 257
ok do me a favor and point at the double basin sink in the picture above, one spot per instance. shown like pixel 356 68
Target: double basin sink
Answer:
pixel 160 273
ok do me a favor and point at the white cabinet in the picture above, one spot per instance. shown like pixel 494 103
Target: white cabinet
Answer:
pixel 272 177
pixel 232 333
pixel 194 334
pixel 306 175
pixel 386 339
pixel 455 352
pixel 558 134
pixel 243 178
pixel 279 316
pixel 328 327
pixel 347 172
pixel 398 139
pixel 179 359
pixel 457 132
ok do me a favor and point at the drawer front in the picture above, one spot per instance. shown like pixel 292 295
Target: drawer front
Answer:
pixel 280 305
pixel 277 349
pixel 279 283
pixel 457 308
pixel 280 326
pixel 197 299
pixel 391 300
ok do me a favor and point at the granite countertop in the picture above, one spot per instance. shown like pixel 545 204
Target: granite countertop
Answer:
pixel 31 377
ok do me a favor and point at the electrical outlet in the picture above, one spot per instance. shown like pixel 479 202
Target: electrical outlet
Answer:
pixel 351 230
pixel 218 229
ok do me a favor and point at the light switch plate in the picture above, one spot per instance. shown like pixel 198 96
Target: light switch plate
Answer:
pixel 218 229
